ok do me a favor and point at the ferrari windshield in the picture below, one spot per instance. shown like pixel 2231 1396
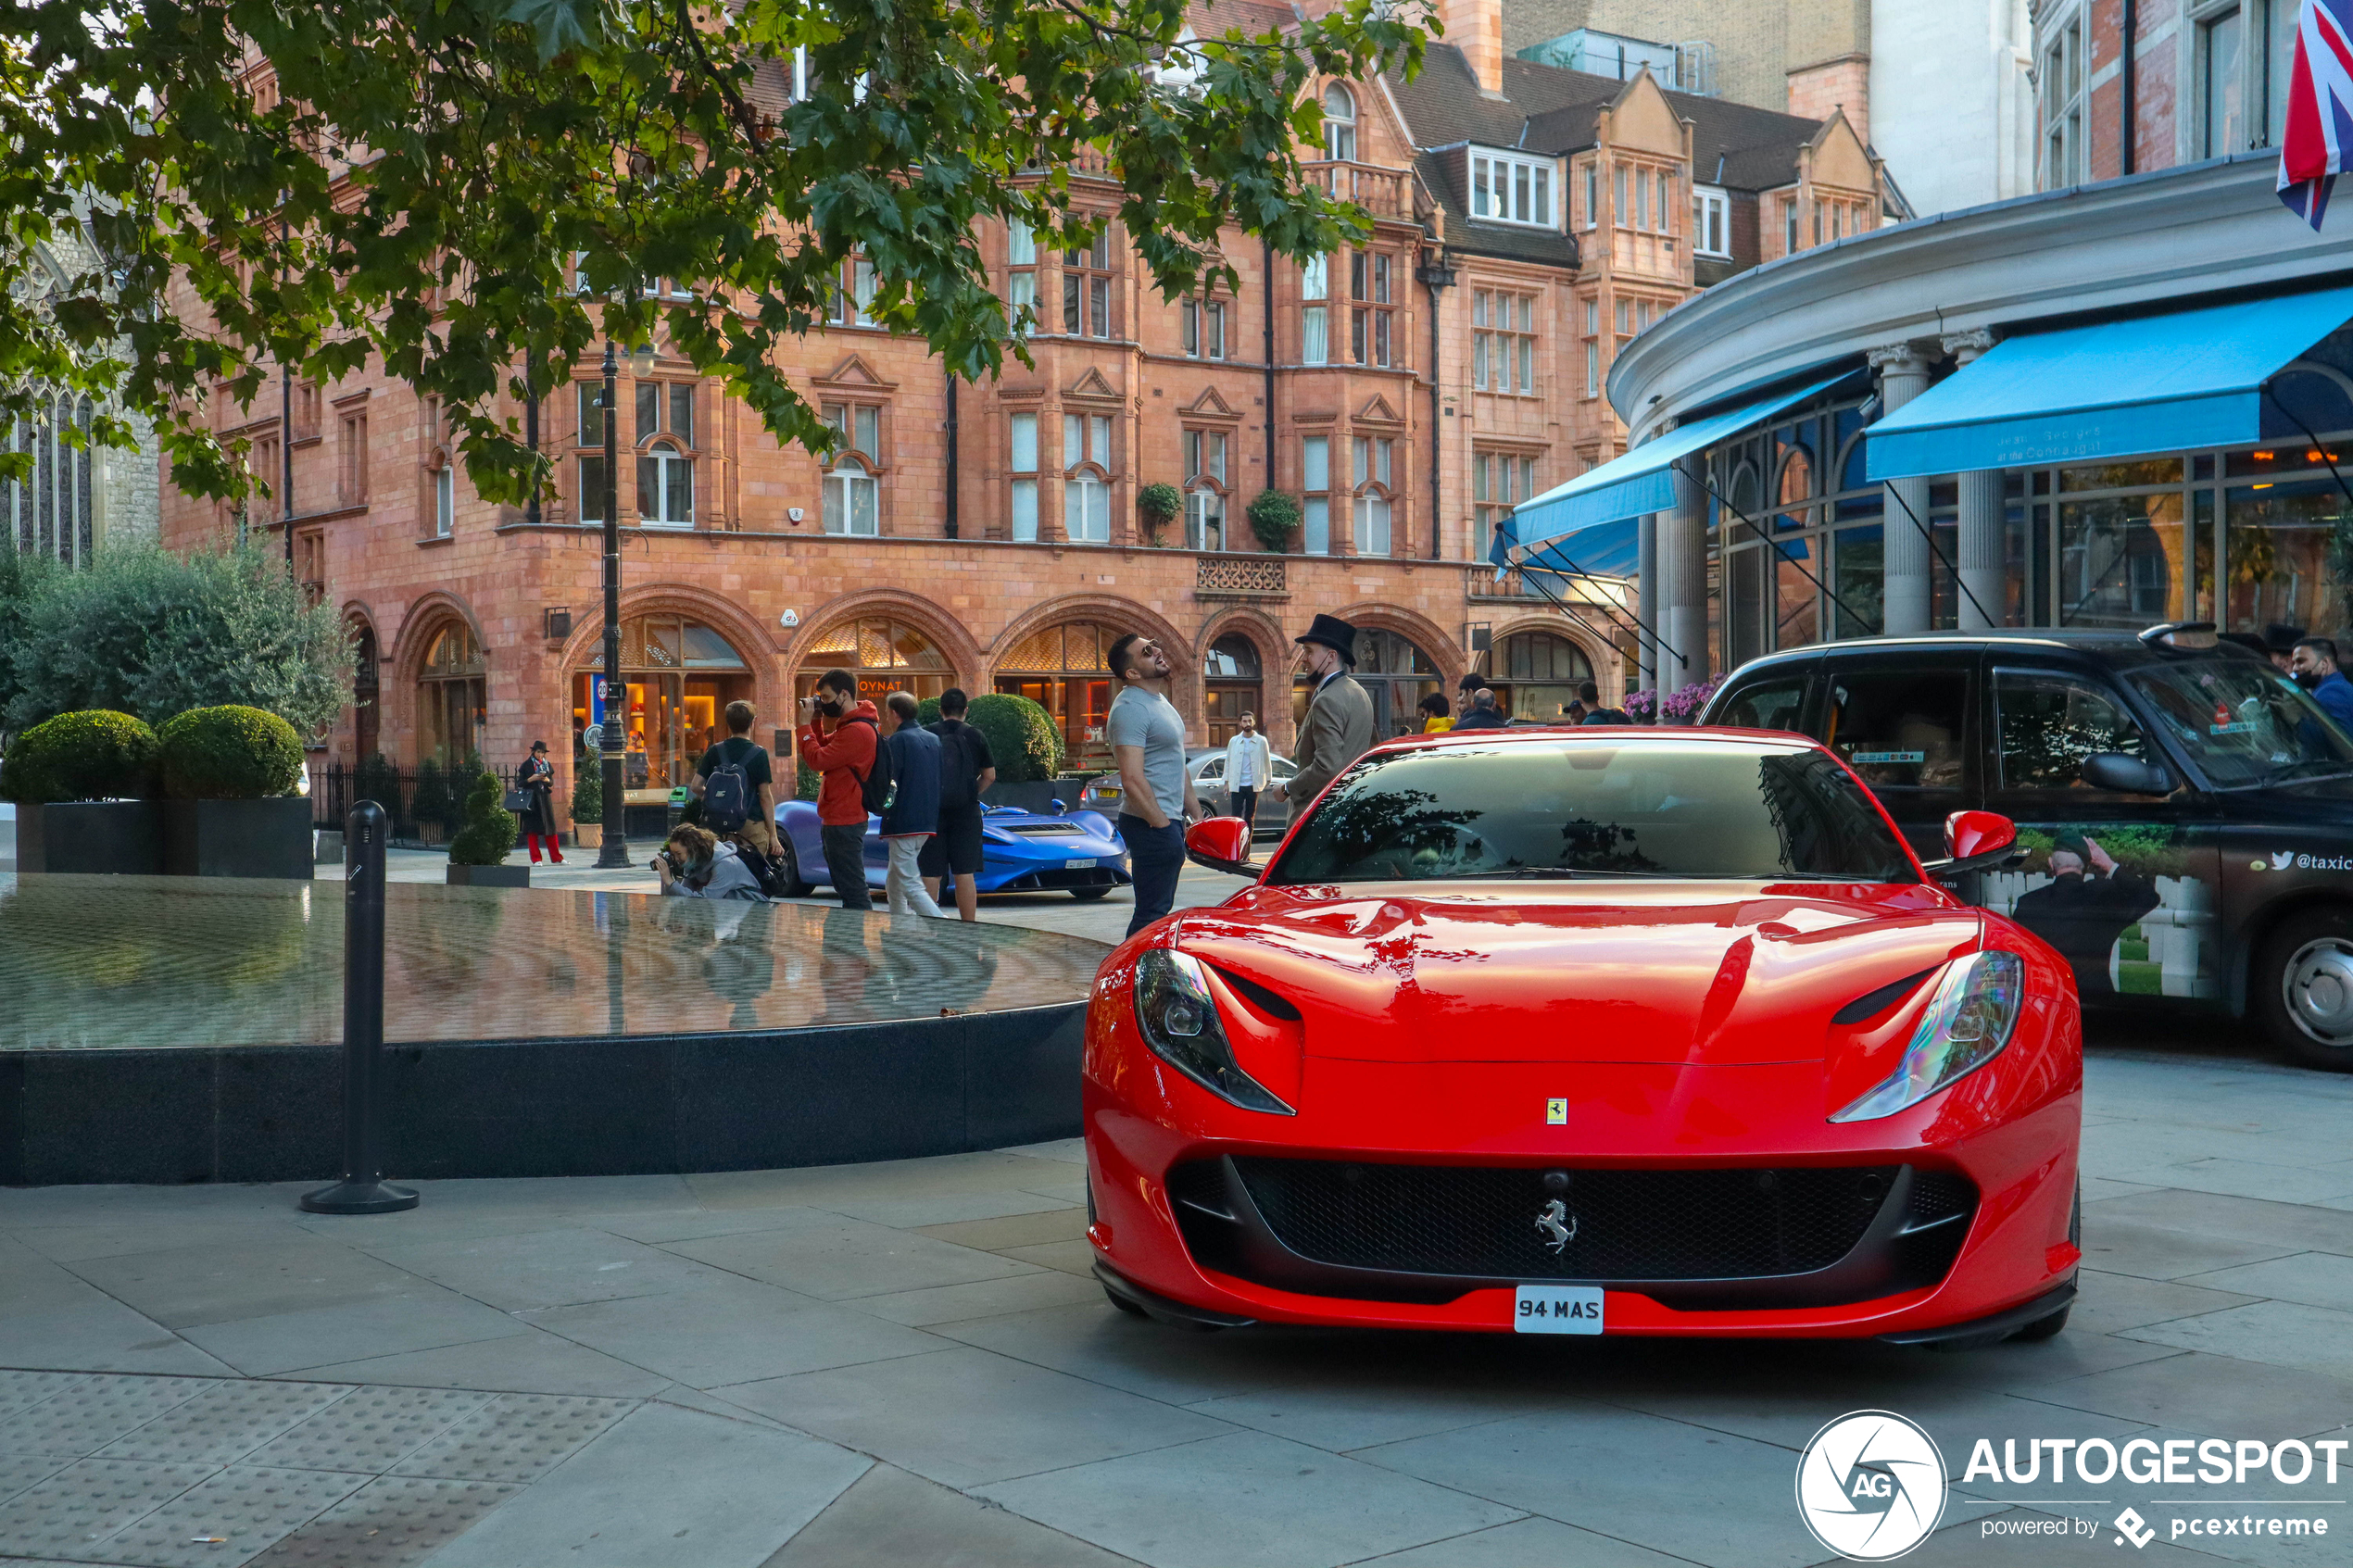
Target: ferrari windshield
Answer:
pixel 1569 808
pixel 2244 723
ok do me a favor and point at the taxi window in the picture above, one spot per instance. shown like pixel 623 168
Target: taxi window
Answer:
pixel 2049 722
pixel 1768 704
pixel 1900 729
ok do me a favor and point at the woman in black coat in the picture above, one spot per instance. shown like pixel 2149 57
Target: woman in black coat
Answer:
pixel 537 779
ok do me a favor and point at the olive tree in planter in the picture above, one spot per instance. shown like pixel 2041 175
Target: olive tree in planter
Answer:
pixel 588 804
pixel 82 783
pixel 231 778
pixel 478 851
pixel 1274 517
pixel 1157 506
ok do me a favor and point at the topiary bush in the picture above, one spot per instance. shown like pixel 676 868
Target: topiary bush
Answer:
pixel 229 753
pixel 1274 517
pixel 588 793
pixel 808 783
pixel 90 755
pixel 1022 736
pixel 928 711
pixel 490 829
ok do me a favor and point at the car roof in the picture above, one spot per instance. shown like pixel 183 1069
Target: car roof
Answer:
pixel 2110 648
pixel 1596 734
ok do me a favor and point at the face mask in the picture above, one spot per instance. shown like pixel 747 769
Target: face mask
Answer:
pixel 2308 679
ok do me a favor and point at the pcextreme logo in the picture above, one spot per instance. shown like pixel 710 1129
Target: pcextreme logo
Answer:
pixel 1871 1486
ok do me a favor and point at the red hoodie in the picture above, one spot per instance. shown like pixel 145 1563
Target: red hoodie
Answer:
pixel 845 755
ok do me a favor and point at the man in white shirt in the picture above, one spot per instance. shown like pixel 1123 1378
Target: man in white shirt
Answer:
pixel 1248 769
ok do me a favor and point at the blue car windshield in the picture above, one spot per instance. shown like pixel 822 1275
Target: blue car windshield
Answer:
pixel 1576 808
pixel 2245 724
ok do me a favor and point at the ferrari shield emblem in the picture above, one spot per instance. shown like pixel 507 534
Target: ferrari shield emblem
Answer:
pixel 1557 1112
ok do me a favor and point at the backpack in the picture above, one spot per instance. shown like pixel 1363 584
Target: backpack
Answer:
pixel 957 774
pixel 878 788
pixel 726 799
pixel 769 873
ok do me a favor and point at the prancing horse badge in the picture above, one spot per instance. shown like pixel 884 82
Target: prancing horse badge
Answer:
pixel 1557 1112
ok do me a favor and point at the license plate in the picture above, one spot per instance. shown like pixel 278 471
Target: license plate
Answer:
pixel 1080 865
pixel 1558 1308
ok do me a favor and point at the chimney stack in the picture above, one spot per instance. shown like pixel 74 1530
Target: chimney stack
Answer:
pixel 1476 27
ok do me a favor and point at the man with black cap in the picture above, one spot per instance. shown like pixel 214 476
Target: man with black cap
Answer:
pixel 1340 715
pixel 2279 641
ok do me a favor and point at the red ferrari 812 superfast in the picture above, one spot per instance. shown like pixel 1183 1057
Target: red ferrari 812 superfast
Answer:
pixel 1604 1031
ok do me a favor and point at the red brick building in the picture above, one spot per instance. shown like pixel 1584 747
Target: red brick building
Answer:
pixel 986 534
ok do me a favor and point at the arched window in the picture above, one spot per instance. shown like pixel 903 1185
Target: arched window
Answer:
pixel 50 513
pixel 681 675
pixel 887 656
pixel 665 486
pixel 452 691
pixel 1340 123
pixel 1231 685
pixel 1374 457
pixel 1796 488
pixel 1087 506
pixel 1538 675
pixel 1204 490
pixel 1062 670
pixel 850 502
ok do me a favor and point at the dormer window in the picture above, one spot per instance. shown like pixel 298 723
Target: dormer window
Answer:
pixel 1509 188
pixel 1340 123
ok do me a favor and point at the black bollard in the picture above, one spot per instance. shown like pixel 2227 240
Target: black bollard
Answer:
pixel 362 1190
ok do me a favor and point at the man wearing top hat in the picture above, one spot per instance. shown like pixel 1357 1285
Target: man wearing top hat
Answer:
pixel 1340 715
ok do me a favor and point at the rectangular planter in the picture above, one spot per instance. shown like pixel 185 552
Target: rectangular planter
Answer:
pixel 490 876
pixel 84 837
pixel 267 838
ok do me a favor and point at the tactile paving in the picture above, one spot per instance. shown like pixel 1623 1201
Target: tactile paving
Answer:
pixel 85 1418
pixel 68 1514
pixel 515 1437
pixel 228 1518
pixel 18 1471
pixel 389 1523
pixel 20 1391
pixel 226 1420
pixel 370 1430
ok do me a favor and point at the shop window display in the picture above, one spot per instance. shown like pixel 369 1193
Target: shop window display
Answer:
pixel 681 675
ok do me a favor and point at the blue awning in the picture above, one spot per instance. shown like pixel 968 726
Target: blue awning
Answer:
pixel 2122 388
pixel 1639 481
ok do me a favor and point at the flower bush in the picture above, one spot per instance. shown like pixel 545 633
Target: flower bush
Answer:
pixel 1682 707
pixel 1642 706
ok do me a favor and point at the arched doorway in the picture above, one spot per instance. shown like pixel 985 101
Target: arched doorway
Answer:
pixel 886 655
pixel 681 675
pixel 452 696
pixel 1062 668
pixel 1537 674
pixel 1394 672
pixel 1232 685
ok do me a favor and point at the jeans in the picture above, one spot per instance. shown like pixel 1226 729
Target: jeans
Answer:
pixel 846 863
pixel 1245 804
pixel 904 885
pixel 1154 856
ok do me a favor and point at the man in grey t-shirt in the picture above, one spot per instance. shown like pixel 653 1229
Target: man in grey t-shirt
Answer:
pixel 1147 741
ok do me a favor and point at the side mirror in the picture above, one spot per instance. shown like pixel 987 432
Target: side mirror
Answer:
pixel 1221 844
pixel 2119 775
pixel 1976 840
pixel 1057 804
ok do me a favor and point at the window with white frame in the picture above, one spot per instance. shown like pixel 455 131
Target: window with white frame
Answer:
pixel 853 497
pixel 2221 75
pixel 1375 497
pixel 444 496
pixel 1023 467
pixel 1663 202
pixel 2058 91
pixel 1711 222
pixel 591 394
pixel 1086 289
pixel 1340 123
pixel 1512 188
pixel 1640 216
pixel 1499 481
pixel 1087 478
pixel 853 303
pixel 1204 322
pixel 857 426
pixel 1789 223
pixel 666 408
pixel 1503 342
pixel 1371 283
pixel 1592 347
pixel 1204 489
pixel 1592 193
pixel 1315 316
pixel 1021 269
pixel 1316 499
pixel 665 486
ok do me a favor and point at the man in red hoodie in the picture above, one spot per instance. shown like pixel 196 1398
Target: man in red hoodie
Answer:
pixel 838 734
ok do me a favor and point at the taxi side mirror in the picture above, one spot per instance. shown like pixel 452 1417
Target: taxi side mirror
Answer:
pixel 2120 774
pixel 1976 840
pixel 1221 844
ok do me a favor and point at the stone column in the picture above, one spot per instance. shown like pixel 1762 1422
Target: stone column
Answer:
pixel 1984 510
pixel 1682 577
pixel 1903 375
pixel 1646 604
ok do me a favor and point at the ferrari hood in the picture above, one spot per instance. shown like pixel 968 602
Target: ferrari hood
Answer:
pixel 1682 972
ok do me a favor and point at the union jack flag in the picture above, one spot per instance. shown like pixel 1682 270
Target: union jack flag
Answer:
pixel 2319 108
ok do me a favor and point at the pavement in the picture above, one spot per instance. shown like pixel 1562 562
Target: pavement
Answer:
pixel 906 1363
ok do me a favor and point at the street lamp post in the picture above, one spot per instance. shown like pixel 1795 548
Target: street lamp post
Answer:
pixel 612 733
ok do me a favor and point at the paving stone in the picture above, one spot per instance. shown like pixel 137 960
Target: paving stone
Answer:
pixel 85 1418
pixel 514 1438
pixel 20 1471
pixel 893 1520
pixel 20 1391
pixel 224 1422
pixel 68 1514
pixel 227 1518
pixel 370 1430
pixel 390 1522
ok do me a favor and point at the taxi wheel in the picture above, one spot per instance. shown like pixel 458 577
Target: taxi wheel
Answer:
pixel 2303 988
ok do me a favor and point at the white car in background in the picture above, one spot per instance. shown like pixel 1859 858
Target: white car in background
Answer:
pixel 1207 766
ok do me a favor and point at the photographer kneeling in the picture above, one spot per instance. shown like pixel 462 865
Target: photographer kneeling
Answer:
pixel 694 864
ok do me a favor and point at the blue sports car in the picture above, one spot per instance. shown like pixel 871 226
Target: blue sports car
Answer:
pixel 1079 852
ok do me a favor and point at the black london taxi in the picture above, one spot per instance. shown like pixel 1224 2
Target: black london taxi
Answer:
pixel 2184 811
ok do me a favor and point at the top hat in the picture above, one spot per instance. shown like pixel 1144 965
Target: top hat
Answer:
pixel 1334 634
pixel 2282 639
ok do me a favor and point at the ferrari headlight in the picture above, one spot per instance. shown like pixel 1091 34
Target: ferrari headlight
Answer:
pixel 1968 1022
pixel 1178 1020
